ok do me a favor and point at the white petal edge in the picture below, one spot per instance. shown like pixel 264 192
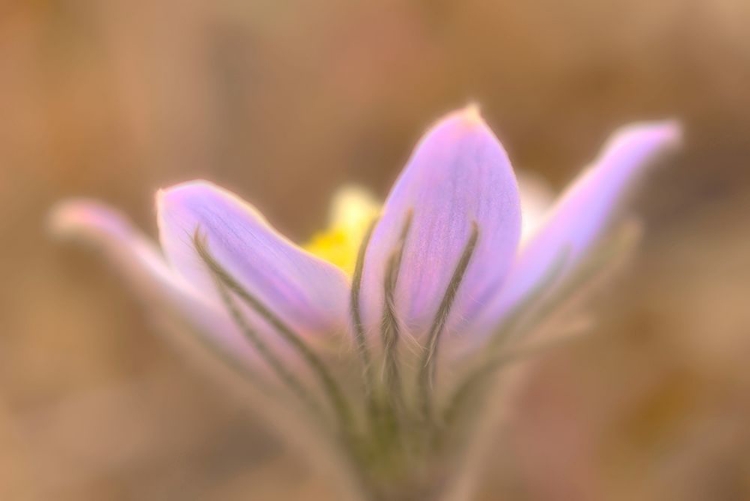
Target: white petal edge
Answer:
pixel 537 198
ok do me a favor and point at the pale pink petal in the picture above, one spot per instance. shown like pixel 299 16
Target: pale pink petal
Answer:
pixel 306 292
pixel 583 212
pixel 458 175
pixel 144 268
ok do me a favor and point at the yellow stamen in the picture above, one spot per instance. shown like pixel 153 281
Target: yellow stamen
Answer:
pixel 352 211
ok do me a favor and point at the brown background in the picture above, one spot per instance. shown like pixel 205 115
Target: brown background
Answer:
pixel 283 102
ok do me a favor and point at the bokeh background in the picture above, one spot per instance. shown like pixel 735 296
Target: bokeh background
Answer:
pixel 285 101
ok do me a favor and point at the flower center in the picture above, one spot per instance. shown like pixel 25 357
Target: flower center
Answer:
pixel 352 211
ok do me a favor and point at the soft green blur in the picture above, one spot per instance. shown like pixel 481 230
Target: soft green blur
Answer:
pixel 283 102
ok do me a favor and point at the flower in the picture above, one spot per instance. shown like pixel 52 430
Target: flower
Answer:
pixel 430 285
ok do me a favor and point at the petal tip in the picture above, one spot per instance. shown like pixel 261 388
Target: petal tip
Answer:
pixel 84 218
pixel 665 133
pixel 175 198
pixel 671 131
pixel 472 114
pixel 187 188
pixel 64 218
pixel 467 120
pixel 641 144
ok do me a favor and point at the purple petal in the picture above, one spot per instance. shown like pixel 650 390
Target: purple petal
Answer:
pixel 581 214
pixel 307 292
pixel 146 271
pixel 458 175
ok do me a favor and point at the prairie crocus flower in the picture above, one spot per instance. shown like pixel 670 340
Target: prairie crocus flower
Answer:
pixel 380 338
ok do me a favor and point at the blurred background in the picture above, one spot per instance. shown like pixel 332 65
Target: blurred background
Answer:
pixel 283 102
